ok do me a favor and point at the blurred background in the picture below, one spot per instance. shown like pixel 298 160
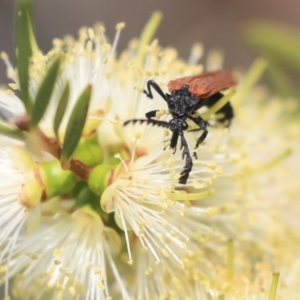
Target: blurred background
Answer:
pixel 216 23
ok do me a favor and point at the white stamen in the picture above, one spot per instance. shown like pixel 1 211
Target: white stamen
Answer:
pixel 122 161
pixel 196 54
pixel 119 28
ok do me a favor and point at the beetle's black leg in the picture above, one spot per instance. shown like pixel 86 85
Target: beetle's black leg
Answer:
pixel 174 140
pixel 188 160
pixel 155 86
pixel 202 126
pixel 226 110
pixel 151 114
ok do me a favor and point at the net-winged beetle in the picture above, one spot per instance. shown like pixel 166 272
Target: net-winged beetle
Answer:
pixel 188 94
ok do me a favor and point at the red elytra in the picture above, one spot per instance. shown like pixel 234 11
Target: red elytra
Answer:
pixel 206 84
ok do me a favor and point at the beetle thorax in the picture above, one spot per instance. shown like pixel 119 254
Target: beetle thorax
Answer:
pixel 181 102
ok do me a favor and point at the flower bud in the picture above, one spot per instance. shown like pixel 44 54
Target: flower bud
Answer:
pixel 55 179
pixel 100 178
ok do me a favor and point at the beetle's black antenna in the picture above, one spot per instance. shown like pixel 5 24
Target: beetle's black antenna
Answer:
pixel 149 121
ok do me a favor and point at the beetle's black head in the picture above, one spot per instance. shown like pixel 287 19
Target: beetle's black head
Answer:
pixel 181 102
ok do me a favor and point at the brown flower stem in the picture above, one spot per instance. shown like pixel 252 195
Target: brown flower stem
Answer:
pixel 51 145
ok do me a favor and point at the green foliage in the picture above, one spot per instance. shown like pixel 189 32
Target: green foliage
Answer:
pixel 277 42
pixel 148 34
pixel 61 108
pixel 76 124
pixel 44 93
pixel 86 197
pixel 281 82
pixel 23 49
pixel 12 132
pixel 280 45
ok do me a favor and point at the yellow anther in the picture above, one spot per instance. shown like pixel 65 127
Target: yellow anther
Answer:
pixel 120 26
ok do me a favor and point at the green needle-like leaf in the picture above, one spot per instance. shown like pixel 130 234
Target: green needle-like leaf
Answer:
pixel 61 108
pixel 281 82
pixel 147 34
pixel 75 125
pixel 44 93
pixel 23 49
pixel 32 37
pixel 12 132
pixel 277 42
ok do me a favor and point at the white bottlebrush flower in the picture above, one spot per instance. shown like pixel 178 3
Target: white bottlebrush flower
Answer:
pixel 83 267
pixel 150 237
pixel 144 185
pixel 20 194
pixel 263 134
pixel 12 180
pixel 144 198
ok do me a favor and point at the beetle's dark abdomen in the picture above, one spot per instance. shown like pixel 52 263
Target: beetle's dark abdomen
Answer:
pixel 206 84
